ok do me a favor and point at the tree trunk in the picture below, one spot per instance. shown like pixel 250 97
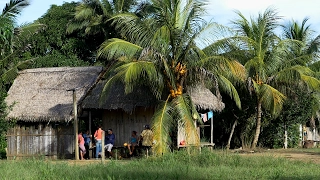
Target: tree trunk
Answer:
pixel 231 133
pixel 256 136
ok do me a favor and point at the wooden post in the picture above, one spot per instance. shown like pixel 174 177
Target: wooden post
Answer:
pixel 90 133
pixel 102 145
pixel 75 111
pixel 90 119
pixel 211 133
pixel 285 137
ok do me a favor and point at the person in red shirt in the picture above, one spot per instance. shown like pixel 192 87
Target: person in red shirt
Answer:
pixel 81 145
pixel 98 138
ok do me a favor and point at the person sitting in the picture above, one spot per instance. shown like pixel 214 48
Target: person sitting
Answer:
pixel 133 142
pixel 109 142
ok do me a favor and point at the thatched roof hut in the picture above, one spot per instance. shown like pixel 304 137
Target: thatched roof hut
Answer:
pixel 117 99
pixel 204 99
pixel 41 94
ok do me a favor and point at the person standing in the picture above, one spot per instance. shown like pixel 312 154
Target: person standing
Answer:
pixel 87 140
pixel 109 142
pixel 146 136
pixel 81 145
pixel 98 138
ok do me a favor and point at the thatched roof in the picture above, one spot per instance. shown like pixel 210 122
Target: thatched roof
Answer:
pixel 41 94
pixel 117 99
pixel 204 99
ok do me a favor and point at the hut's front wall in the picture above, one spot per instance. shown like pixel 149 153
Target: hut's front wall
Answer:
pixel 123 123
pixel 40 140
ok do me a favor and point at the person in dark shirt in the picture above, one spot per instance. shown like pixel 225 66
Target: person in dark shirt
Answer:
pixel 109 142
pixel 87 140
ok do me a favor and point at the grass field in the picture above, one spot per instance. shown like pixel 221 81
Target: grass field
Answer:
pixel 179 165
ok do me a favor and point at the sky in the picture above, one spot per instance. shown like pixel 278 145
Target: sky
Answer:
pixel 222 11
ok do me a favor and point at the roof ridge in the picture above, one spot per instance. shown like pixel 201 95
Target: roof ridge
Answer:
pixel 60 69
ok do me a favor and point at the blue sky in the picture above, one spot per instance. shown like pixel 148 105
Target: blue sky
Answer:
pixel 222 11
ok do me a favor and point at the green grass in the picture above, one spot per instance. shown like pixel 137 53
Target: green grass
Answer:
pixel 179 165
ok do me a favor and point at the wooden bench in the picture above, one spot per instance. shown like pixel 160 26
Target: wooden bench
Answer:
pixel 123 151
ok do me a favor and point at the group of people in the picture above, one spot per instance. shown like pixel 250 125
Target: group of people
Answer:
pixel 84 140
pixel 108 141
pixel 146 139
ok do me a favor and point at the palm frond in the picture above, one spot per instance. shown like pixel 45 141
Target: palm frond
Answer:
pixel 115 48
pixel 312 82
pixel 228 88
pixel 298 74
pixel 137 73
pixel 14 8
pixel 271 98
pixel 162 121
pixel 182 105
pixel 12 72
pixel 134 29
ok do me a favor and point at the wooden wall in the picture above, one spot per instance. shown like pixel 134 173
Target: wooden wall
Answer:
pixel 123 123
pixel 40 140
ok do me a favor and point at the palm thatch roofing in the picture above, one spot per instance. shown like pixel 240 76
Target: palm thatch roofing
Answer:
pixel 204 99
pixel 41 94
pixel 117 99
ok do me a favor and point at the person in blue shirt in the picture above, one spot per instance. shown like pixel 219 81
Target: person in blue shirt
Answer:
pixel 109 142
pixel 87 140
pixel 133 142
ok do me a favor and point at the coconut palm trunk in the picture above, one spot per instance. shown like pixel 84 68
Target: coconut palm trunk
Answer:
pixel 257 133
pixel 231 133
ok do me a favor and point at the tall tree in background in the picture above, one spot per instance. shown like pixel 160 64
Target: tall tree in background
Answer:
pixel 54 47
pixel 308 50
pixel 92 17
pixel 265 57
pixel 163 52
pixel 305 54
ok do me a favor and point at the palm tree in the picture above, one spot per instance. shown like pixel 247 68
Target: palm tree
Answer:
pixel 14 40
pixel 163 52
pixel 7 23
pixel 267 60
pixel 306 54
pixel 307 51
pixel 92 16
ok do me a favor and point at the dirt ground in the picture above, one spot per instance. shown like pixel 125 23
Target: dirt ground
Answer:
pixel 306 155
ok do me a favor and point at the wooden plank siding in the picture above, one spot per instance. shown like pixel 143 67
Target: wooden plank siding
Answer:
pixel 40 140
pixel 123 123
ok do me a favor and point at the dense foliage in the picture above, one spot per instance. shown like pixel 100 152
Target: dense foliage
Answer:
pixel 57 48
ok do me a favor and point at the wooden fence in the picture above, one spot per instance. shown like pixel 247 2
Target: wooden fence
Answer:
pixel 40 140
